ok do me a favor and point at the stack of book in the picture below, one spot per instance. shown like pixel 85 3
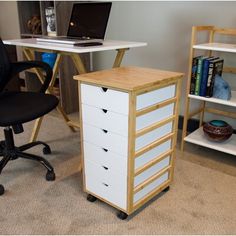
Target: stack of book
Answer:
pixel 204 70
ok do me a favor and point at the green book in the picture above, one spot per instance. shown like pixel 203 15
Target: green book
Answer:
pixel 199 75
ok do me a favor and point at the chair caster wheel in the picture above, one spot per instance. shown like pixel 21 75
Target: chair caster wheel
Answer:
pixel 50 176
pixel 166 189
pixel 2 190
pixel 121 215
pixel 91 198
pixel 47 150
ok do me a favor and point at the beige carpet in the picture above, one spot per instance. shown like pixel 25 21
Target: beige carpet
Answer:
pixel 202 199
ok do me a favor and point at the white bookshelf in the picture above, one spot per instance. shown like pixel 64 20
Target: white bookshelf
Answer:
pixel 198 137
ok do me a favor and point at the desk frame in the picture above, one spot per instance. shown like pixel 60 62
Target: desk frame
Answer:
pixel 79 65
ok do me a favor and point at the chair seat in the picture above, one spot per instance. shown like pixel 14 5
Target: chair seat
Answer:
pixel 21 107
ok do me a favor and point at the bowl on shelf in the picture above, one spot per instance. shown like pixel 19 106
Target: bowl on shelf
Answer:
pixel 217 130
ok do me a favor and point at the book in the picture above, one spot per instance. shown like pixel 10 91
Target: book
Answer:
pixel 215 68
pixel 194 74
pixel 205 70
pixel 199 75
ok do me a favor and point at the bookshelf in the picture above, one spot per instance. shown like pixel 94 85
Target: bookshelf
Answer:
pixel 214 46
pixel 66 88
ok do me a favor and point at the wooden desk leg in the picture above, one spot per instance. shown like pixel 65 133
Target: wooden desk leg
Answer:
pixel 119 56
pixel 78 63
pixel 65 117
pixel 30 56
pixel 80 167
pixel 36 128
pixel 81 69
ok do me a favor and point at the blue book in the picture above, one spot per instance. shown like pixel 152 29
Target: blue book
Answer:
pixel 205 70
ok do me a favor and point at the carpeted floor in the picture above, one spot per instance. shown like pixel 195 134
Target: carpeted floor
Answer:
pixel 202 199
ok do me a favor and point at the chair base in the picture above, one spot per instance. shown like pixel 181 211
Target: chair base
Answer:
pixel 10 152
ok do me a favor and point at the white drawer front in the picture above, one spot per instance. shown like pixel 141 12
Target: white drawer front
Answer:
pixel 106 158
pixel 107 99
pixel 105 119
pixel 150 137
pixel 151 171
pixel 155 184
pixel 153 153
pixel 154 116
pixel 109 185
pixel 106 139
pixel 156 96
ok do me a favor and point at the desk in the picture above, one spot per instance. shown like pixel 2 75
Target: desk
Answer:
pixel 32 45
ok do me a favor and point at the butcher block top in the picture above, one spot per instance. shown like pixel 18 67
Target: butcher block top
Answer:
pixel 129 78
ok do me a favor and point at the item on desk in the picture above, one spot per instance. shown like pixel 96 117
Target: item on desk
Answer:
pixel 217 130
pixel 221 88
pixel 88 44
pixel 51 21
pixel 49 58
pixel 34 25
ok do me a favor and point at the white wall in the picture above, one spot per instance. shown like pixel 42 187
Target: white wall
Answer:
pixel 166 27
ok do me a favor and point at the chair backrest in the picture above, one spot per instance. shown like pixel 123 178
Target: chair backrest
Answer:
pixel 4 66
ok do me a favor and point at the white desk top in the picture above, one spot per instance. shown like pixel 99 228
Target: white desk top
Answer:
pixel 107 45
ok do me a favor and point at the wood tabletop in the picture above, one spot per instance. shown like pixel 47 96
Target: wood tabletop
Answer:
pixel 129 78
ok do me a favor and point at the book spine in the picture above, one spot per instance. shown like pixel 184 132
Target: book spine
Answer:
pixel 209 79
pixel 203 85
pixel 217 70
pixel 198 76
pixel 193 75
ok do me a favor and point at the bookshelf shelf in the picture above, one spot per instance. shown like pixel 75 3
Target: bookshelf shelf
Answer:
pixel 231 102
pixel 198 137
pixel 220 47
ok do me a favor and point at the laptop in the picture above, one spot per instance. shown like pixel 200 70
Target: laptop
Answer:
pixel 87 24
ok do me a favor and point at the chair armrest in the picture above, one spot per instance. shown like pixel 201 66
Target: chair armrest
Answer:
pixel 17 67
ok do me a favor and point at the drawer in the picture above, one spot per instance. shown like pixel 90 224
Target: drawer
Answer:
pixel 151 171
pixel 103 157
pixel 106 184
pixel 152 136
pixel 154 116
pixel 151 187
pixel 106 139
pixel 105 119
pixel 106 98
pixel 156 96
pixel 152 154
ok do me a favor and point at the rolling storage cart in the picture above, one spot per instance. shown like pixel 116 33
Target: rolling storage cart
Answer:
pixel 129 118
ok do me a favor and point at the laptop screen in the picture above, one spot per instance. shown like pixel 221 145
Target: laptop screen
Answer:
pixel 89 19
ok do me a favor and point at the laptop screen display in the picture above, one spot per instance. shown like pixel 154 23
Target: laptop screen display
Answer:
pixel 89 20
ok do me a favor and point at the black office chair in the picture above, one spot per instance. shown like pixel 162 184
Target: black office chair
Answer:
pixel 18 107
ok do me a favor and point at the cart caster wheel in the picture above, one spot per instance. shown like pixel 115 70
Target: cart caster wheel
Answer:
pixel 121 215
pixel 47 150
pixel 2 190
pixel 50 176
pixel 166 189
pixel 91 198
